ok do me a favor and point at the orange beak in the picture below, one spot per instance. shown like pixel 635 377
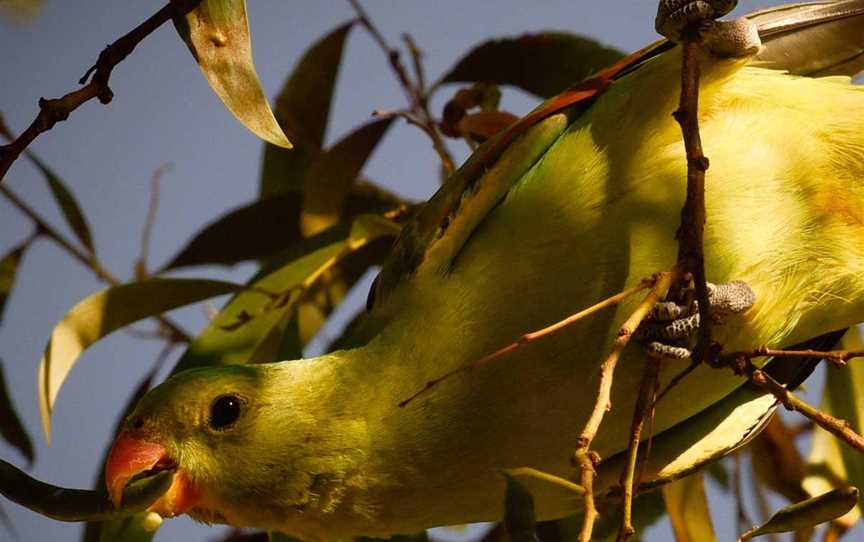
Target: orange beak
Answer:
pixel 132 456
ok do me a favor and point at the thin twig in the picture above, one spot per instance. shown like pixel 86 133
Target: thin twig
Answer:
pixel 548 478
pixel 141 265
pixel 534 336
pixel 582 455
pixel 837 427
pixel 52 111
pixel 690 252
pixel 837 357
pixel 175 332
pixel 415 92
pixel 644 403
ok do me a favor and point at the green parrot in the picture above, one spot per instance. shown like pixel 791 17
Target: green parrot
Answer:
pixel 574 203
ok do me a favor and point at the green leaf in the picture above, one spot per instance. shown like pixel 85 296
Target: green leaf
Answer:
pixel 302 110
pixel 808 513
pixel 10 424
pixel 687 507
pixel 330 177
pixel 543 64
pixel 67 203
pixel 247 233
pixel 104 312
pixel 8 270
pixel 519 517
pixel 66 504
pixel 217 34
pixel 252 327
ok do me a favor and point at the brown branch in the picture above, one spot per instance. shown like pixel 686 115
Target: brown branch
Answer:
pixel 534 336
pixel 582 455
pixel 415 92
pixel 52 111
pixel 837 427
pixel 690 252
pixel 173 331
pixel 837 357
pixel 644 404
pixel 141 265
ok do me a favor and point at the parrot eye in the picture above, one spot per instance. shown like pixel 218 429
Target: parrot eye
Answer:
pixel 224 411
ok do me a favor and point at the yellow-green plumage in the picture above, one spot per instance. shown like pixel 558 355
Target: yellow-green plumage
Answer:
pixel 323 451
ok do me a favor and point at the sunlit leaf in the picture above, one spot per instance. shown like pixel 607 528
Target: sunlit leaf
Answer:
pixel 519 513
pixel 808 513
pixel 249 232
pixel 252 327
pixel 217 34
pixel 687 507
pixel 23 10
pixel 302 110
pixel 10 424
pixel 329 179
pixel 543 64
pixel 8 269
pixel 65 504
pixel 104 312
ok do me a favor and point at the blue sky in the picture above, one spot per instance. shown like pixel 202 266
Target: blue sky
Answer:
pixel 164 112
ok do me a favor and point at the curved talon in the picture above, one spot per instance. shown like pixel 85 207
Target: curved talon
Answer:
pixel 674 15
pixel 671 328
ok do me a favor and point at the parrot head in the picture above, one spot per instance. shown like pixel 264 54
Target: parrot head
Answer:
pixel 201 424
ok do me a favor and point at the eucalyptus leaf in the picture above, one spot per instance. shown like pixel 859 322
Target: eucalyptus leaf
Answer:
pixel 8 270
pixel 544 64
pixel 302 110
pixel 687 506
pixel 809 513
pixel 329 179
pixel 11 428
pixel 66 504
pixel 104 312
pixel 217 34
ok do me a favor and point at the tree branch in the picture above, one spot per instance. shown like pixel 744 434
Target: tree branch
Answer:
pixel 52 111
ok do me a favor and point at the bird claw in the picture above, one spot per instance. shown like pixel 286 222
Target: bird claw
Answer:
pixel 671 328
pixel 736 38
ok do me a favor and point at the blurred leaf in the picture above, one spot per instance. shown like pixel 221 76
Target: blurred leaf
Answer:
pixel 776 462
pixel 217 34
pixel 263 229
pixel 64 198
pixel 808 513
pixel 717 471
pixel 687 507
pixel 22 10
pixel 302 110
pixel 8 269
pixel 485 124
pixel 544 64
pixel 126 529
pixel 10 424
pixel 104 312
pixel 330 176
pixel 647 509
pixel 279 537
pixel 65 504
pixel 831 463
pixel 519 513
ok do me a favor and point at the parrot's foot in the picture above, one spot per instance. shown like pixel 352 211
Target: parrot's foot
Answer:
pixel 723 38
pixel 671 328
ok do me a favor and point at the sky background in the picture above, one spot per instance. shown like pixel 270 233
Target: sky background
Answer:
pixel 164 112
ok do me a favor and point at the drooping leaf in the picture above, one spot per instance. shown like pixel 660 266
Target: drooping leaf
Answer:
pixel 264 228
pixel 543 64
pixel 104 312
pixel 687 507
pixel 519 517
pixel 65 504
pixel 217 34
pixel 252 327
pixel 302 110
pixel 329 179
pixel 11 428
pixel 8 269
pixel 808 513
pixel 62 196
